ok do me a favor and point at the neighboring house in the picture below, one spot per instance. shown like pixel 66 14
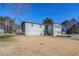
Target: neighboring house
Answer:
pixel 57 29
pixel 39 29
pixel 48 30
pixel 33 29
pixel 1 31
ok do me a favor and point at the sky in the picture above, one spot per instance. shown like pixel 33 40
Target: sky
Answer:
pixel 37 12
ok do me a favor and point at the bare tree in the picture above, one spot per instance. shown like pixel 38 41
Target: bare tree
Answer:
pixel 18 10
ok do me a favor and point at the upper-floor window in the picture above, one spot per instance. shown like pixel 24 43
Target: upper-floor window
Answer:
pixel 57 26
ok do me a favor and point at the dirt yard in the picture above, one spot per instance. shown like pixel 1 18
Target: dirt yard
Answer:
pixel 40 46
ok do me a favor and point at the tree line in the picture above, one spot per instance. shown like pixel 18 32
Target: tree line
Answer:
pixel 7 24
pixel 68 26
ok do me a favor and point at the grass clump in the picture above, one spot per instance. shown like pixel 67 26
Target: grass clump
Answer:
pixel 6 38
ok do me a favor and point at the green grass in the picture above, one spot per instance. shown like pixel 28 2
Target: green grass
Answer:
pixel 6 38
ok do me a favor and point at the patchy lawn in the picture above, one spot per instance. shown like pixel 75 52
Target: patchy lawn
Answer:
pixel 6 37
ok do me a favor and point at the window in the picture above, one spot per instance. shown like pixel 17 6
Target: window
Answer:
pixel 57 26
pixel 32 24
pixel 40 26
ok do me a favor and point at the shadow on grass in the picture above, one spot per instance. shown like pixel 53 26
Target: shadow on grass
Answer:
pixel 6 38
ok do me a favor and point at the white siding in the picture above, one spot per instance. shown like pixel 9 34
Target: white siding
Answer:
pixel 34 29
pixel 57 29
pixel 1 31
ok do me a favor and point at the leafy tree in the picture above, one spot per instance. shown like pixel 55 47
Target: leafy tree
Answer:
pixel 7 23
pixel 12 26
pixel 1 21
pixel 70 26
pixel 65 25
pixel 75 29
pixel 47 22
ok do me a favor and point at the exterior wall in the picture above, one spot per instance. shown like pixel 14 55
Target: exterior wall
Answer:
pixel 34 29
pixel 50 29
pixel 57 29
pixel 1 31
